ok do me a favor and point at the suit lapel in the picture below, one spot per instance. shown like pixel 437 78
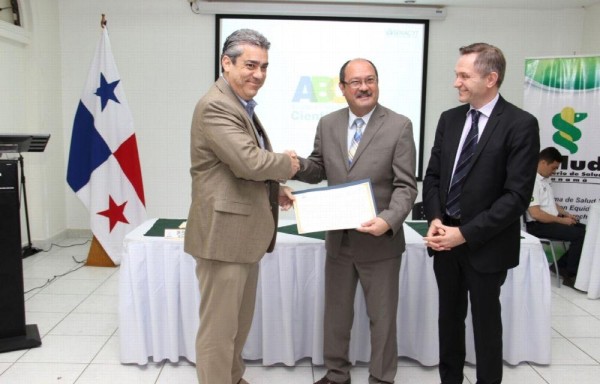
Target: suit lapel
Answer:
pixel 228 92
pixel 374 125
pixel 341 135
pixel 454 134
pixel 237 105
pixel 490 128
pixel 453 140
pixel 258 127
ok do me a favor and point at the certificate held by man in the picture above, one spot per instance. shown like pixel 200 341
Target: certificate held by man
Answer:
pixel 342 206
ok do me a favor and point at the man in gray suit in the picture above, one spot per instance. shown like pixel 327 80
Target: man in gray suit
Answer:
pixel 365 140
pixel 232 220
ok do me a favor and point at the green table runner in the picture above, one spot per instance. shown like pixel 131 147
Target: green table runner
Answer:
pixel 293 230
pixel 158 229
pixel 420 227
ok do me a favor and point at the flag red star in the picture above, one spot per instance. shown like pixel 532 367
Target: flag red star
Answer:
pixel 114 213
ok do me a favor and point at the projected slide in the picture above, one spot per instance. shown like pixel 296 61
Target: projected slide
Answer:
pixel 304 63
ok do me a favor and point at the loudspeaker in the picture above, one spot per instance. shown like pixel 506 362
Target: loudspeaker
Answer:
pixel 9 173
pixel 14 334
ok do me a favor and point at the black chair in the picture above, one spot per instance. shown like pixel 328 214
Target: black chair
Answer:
pixel 418 212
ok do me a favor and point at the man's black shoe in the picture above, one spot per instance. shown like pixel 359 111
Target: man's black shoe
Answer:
pixel 569 281
pixel 325 380
pixel 561 271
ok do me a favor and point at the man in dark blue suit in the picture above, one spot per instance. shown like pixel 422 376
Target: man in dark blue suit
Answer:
pixel 477 186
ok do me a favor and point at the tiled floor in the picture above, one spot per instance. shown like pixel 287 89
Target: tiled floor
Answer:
pixel 77 317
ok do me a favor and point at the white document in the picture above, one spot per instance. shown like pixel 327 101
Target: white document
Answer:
pixel 342 206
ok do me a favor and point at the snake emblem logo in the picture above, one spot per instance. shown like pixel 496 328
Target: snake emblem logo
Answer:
pixel 567 133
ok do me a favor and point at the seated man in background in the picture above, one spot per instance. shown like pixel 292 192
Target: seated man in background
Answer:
pixel 546 218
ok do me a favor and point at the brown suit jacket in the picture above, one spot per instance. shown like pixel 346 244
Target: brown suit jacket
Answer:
pixel 386 156
pixel 234 209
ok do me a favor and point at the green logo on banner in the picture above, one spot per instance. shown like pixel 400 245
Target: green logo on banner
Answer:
pixel 567 132
pixel 580 73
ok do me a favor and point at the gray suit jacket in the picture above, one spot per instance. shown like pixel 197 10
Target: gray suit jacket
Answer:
pixel 386 156
pixel 234 208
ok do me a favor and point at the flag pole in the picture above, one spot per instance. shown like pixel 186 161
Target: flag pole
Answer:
pixel 97 256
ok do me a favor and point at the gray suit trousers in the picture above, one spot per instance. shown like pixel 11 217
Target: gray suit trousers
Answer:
pixel 379 280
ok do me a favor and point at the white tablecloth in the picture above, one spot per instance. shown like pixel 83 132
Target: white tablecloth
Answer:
pixel 588 274
pixel 159 300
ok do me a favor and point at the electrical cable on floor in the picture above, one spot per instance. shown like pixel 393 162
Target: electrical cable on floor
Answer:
pixel 64 246
pixel 60 275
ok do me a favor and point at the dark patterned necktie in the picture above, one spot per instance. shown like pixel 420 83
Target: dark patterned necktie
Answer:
pixel 463 166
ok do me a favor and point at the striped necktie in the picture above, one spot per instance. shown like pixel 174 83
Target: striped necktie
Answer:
pixel 463 166
pixel 359 124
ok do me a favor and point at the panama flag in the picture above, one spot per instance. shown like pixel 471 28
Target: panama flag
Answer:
pixel 104 167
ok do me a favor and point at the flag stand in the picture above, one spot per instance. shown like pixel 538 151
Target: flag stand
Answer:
pixel 97 256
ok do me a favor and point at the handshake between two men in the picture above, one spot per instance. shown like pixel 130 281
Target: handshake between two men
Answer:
pixel 286 197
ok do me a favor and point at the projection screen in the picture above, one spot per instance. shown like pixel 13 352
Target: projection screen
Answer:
pixel 304 62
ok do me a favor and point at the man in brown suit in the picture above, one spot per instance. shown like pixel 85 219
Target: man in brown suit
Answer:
pixel 385 154
pixel 232 220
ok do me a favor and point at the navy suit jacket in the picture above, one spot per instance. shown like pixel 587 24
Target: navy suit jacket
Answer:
pixel 496 191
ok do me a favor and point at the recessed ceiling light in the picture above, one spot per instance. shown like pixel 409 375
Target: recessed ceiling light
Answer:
pixel 410 1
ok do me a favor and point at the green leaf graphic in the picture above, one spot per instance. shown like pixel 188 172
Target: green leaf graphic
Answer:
pixel 577 73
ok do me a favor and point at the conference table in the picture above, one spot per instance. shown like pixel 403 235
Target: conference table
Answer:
pixel 588 273
pixel 159 301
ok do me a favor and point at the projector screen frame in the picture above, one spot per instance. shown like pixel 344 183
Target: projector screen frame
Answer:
pixel 418 128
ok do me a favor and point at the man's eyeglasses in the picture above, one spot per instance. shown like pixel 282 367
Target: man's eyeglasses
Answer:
pixel 355 84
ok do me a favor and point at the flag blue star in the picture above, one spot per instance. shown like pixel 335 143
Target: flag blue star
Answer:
pixel 106 91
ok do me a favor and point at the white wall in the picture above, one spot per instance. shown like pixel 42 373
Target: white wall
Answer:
pixel 591 31
pixel 519 33
pixel 13 59
pixel 30 102
pixel 165 55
